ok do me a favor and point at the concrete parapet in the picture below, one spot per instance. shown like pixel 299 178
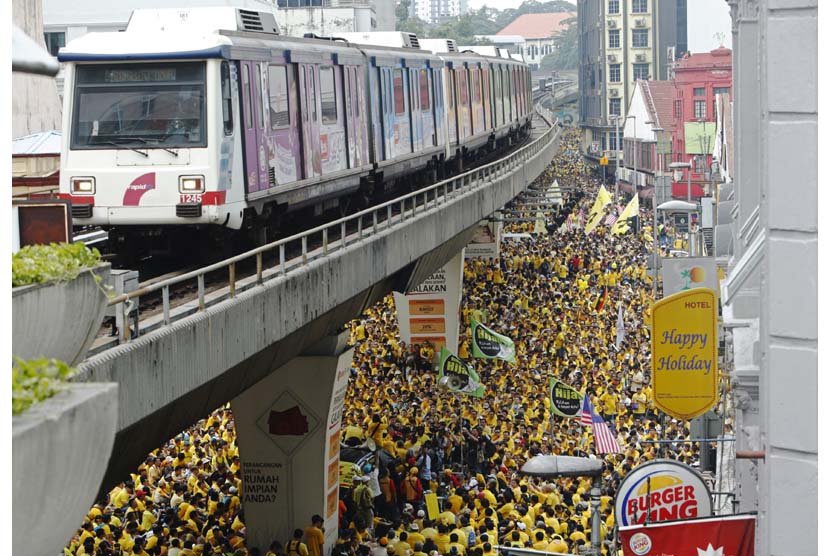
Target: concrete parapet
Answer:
pixel 60 451
pixel 59 321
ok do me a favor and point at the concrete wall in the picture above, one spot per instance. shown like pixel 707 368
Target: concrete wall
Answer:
pixel 296 22
pixel 172 377
pixel 775 233
pixel 35 103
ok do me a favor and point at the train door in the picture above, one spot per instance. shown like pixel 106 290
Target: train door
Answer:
pixel 425 115
pixel 452 120
pixel 349 93
pixel 252 135
pixel 415 111
pixel 488 108
pixel 310 120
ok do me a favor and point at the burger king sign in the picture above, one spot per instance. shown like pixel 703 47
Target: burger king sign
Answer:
pixel 662 490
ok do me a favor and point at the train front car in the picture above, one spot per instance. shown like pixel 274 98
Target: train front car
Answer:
pixel 150 138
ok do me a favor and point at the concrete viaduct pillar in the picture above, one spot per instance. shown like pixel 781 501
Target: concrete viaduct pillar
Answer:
pixel 288 433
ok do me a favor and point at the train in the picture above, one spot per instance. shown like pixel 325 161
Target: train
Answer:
pixel 203 119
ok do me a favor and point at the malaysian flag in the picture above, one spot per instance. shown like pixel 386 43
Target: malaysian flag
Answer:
pixel 603 439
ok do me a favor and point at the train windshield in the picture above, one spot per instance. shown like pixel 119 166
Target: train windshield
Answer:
pixel 159 105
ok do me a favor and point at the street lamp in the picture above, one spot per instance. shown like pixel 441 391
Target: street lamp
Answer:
pixel 688 165
pixel 617 142
pixel 552 467
pixel 634 184
pixel 655 131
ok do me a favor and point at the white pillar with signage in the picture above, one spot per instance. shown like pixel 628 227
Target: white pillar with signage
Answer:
pixel 288 433
pixel 430 310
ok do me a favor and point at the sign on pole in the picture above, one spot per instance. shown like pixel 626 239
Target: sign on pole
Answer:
pixel 730 535
pixel 564 400
pixel 661 490
pixel 684 273
pixel 603 161
pixel 684 353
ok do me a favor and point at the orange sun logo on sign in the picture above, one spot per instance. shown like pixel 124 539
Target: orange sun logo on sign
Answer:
pixel 695 274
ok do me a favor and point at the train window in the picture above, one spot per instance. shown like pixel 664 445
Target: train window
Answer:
pixel 148 104
pixel 328 98
pixel 424 82
pixel 312 95
pixel 227 99
pixel 475 84
pixel 246 90
pixel 463 92
pixel 397 84
pixel 278 96
pixel 451 85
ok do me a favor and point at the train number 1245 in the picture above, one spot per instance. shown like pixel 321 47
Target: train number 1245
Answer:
pixel 190 198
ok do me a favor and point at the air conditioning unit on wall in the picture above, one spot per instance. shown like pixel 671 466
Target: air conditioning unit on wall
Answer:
pixel 612 23
pixel 640 58
pixel 640 22
pixel 612 58
pixel 614 93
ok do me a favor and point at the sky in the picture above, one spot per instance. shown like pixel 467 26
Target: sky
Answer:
pixel 705 19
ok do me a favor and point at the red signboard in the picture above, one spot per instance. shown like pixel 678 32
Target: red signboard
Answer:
pixel 732 535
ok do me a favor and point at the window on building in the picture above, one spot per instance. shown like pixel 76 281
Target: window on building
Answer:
pixel 615 106
pixel 639 38
pixel 721 90
pixel 700 91
pixel 678 109
pixel 641 71
pixel 614 73
pixel 328 99
pixel 700 109
pixel 397 86
pixel 714 108
pixel 602 143
pixel 613 38
pixel 613 6
pixel 700 164
pixel 278 96
pixel 639 6
pixel 54 41
pixel 613 141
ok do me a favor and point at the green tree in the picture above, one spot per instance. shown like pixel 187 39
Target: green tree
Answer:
pixel 565 55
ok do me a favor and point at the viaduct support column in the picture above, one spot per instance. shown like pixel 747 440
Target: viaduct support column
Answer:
pixel 288 433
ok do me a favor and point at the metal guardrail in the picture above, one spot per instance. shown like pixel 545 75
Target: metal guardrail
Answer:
pixel 368 222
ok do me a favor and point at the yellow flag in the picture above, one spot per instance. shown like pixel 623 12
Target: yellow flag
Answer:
pixel 602 201
pixel 631 209
pixel 432 505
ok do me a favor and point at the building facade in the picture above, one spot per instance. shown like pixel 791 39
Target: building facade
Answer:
pixel 538 32
pixel 770 295
pixel 437 11
pixel 698 79
pixel 620 42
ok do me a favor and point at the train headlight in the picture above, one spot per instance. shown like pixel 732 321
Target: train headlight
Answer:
pixel 82 186
pixel 191 184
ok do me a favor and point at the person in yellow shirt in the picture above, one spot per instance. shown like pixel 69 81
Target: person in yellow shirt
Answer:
pixel 314 536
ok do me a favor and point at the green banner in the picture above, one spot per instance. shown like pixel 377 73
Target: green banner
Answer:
pixel 491 345
pixel 458 376
pixel 564 400
pixel 699 137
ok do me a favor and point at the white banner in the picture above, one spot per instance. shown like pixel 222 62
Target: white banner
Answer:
pixel 430 310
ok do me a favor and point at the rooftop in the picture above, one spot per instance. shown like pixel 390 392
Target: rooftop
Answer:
pixel 537 26
pixel 43 143
pixel 718 57
pixel 660 96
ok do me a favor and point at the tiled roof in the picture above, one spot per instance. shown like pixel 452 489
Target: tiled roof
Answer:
pixel 45 142
pixel 537 26
pixel 660 99
pixel 717 57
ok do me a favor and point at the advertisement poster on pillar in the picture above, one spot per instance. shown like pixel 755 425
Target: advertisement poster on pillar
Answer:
pixel 684 351
pixel 485 243
pixel 731 535
pixel 429 312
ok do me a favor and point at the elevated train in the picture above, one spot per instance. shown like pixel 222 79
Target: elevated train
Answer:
pixel 196 120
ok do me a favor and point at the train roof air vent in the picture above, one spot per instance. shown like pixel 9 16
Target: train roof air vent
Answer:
pixel 451 46
pixel 413 40
pixel 260 22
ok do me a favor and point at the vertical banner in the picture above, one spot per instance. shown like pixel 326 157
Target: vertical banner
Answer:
pixel 684 273
pixel 684 353
pixel 430 311
pixel 485 243
pixel 732 535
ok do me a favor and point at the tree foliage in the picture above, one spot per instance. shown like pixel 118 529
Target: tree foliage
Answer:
pixel 565 55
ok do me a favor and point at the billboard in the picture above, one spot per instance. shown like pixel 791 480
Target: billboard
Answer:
pixel 485 243
pixel 731 535
pixel 684 353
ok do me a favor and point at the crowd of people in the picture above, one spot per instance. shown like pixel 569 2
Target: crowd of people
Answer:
pixel 543 294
